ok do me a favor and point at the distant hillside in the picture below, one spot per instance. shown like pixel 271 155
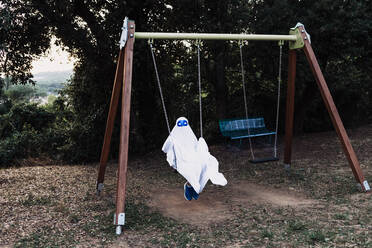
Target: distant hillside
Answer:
pixel 52 77
pixel 51 82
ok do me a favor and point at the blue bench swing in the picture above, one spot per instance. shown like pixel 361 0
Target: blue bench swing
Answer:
pixel 240 128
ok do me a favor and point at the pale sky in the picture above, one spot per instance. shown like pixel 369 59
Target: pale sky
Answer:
pixel 54 60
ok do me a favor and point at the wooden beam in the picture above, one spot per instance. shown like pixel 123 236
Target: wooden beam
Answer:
pixel 124 128
pixel 332 110
pixel 111 117
pixel 290 107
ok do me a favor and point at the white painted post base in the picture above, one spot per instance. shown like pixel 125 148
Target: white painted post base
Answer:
pixel 120 223
pixel 366 186
pixel 363 187
pixel 119 230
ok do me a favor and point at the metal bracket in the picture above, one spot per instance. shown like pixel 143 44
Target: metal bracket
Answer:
pixel 287 167
pixel 100 187
pixel 366 186
pixel 299 43
pixel 124 33
pixel 121 219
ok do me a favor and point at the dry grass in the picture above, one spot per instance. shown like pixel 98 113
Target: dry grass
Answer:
pixel 56 206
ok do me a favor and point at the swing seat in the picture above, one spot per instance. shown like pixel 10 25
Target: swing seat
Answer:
pixel 238 128
pixel 263 160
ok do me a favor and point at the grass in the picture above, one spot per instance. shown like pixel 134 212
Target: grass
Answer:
pixel 340 216
pixel 47 237
pixel 48 207
pixel 295 226
pixel 316 237
pixel 267 234
pixel 32 200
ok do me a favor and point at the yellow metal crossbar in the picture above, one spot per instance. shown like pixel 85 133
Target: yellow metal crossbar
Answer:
pixel 211 36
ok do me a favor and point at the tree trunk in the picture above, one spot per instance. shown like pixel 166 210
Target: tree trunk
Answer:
pixel 7 82
pixel 216 71
pixel 221 88
pixel 303 105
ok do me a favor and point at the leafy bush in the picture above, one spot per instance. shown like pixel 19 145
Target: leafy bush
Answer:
pixel 26 131
pixel 31 114
pixel 55 130
pixel 20 144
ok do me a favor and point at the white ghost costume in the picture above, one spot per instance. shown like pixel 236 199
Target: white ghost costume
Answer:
pixel 191 157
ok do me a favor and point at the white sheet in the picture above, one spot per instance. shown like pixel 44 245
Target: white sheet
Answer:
pixel 191 157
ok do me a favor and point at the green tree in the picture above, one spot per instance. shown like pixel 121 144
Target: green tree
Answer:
pixel 339 34
pixel 23 93
pixel 90 31
pixel 23 37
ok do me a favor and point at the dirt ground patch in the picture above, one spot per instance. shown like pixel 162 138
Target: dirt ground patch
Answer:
pixel 213 206
pixel 250 193
pixel 209 208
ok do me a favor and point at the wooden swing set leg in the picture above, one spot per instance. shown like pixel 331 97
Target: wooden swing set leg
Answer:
pixel 290 108
pixel 110 120
pixel 335 117
pixel 330 105
pixel 124 130
pixel 123 84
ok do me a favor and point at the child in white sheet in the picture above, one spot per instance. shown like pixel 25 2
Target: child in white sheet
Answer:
pixel 191 158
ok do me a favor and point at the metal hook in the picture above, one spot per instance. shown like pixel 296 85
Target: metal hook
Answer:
pixel 151 42
pixel 198 42
pixel 281 43
pixel 242 43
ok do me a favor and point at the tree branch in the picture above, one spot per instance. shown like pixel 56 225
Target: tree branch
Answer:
pixel 81 9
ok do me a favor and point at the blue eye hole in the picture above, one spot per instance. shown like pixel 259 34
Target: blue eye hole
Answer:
pixel 182 123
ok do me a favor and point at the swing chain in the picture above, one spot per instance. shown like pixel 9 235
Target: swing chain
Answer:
pixel 245 96
pixel 150 41
pixel 198 42
pixel 281 43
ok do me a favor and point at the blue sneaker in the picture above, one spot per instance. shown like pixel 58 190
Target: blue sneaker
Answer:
pixel 188 192
pixel 194 194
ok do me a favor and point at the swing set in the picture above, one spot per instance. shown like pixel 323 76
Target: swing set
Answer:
pixel 298 39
